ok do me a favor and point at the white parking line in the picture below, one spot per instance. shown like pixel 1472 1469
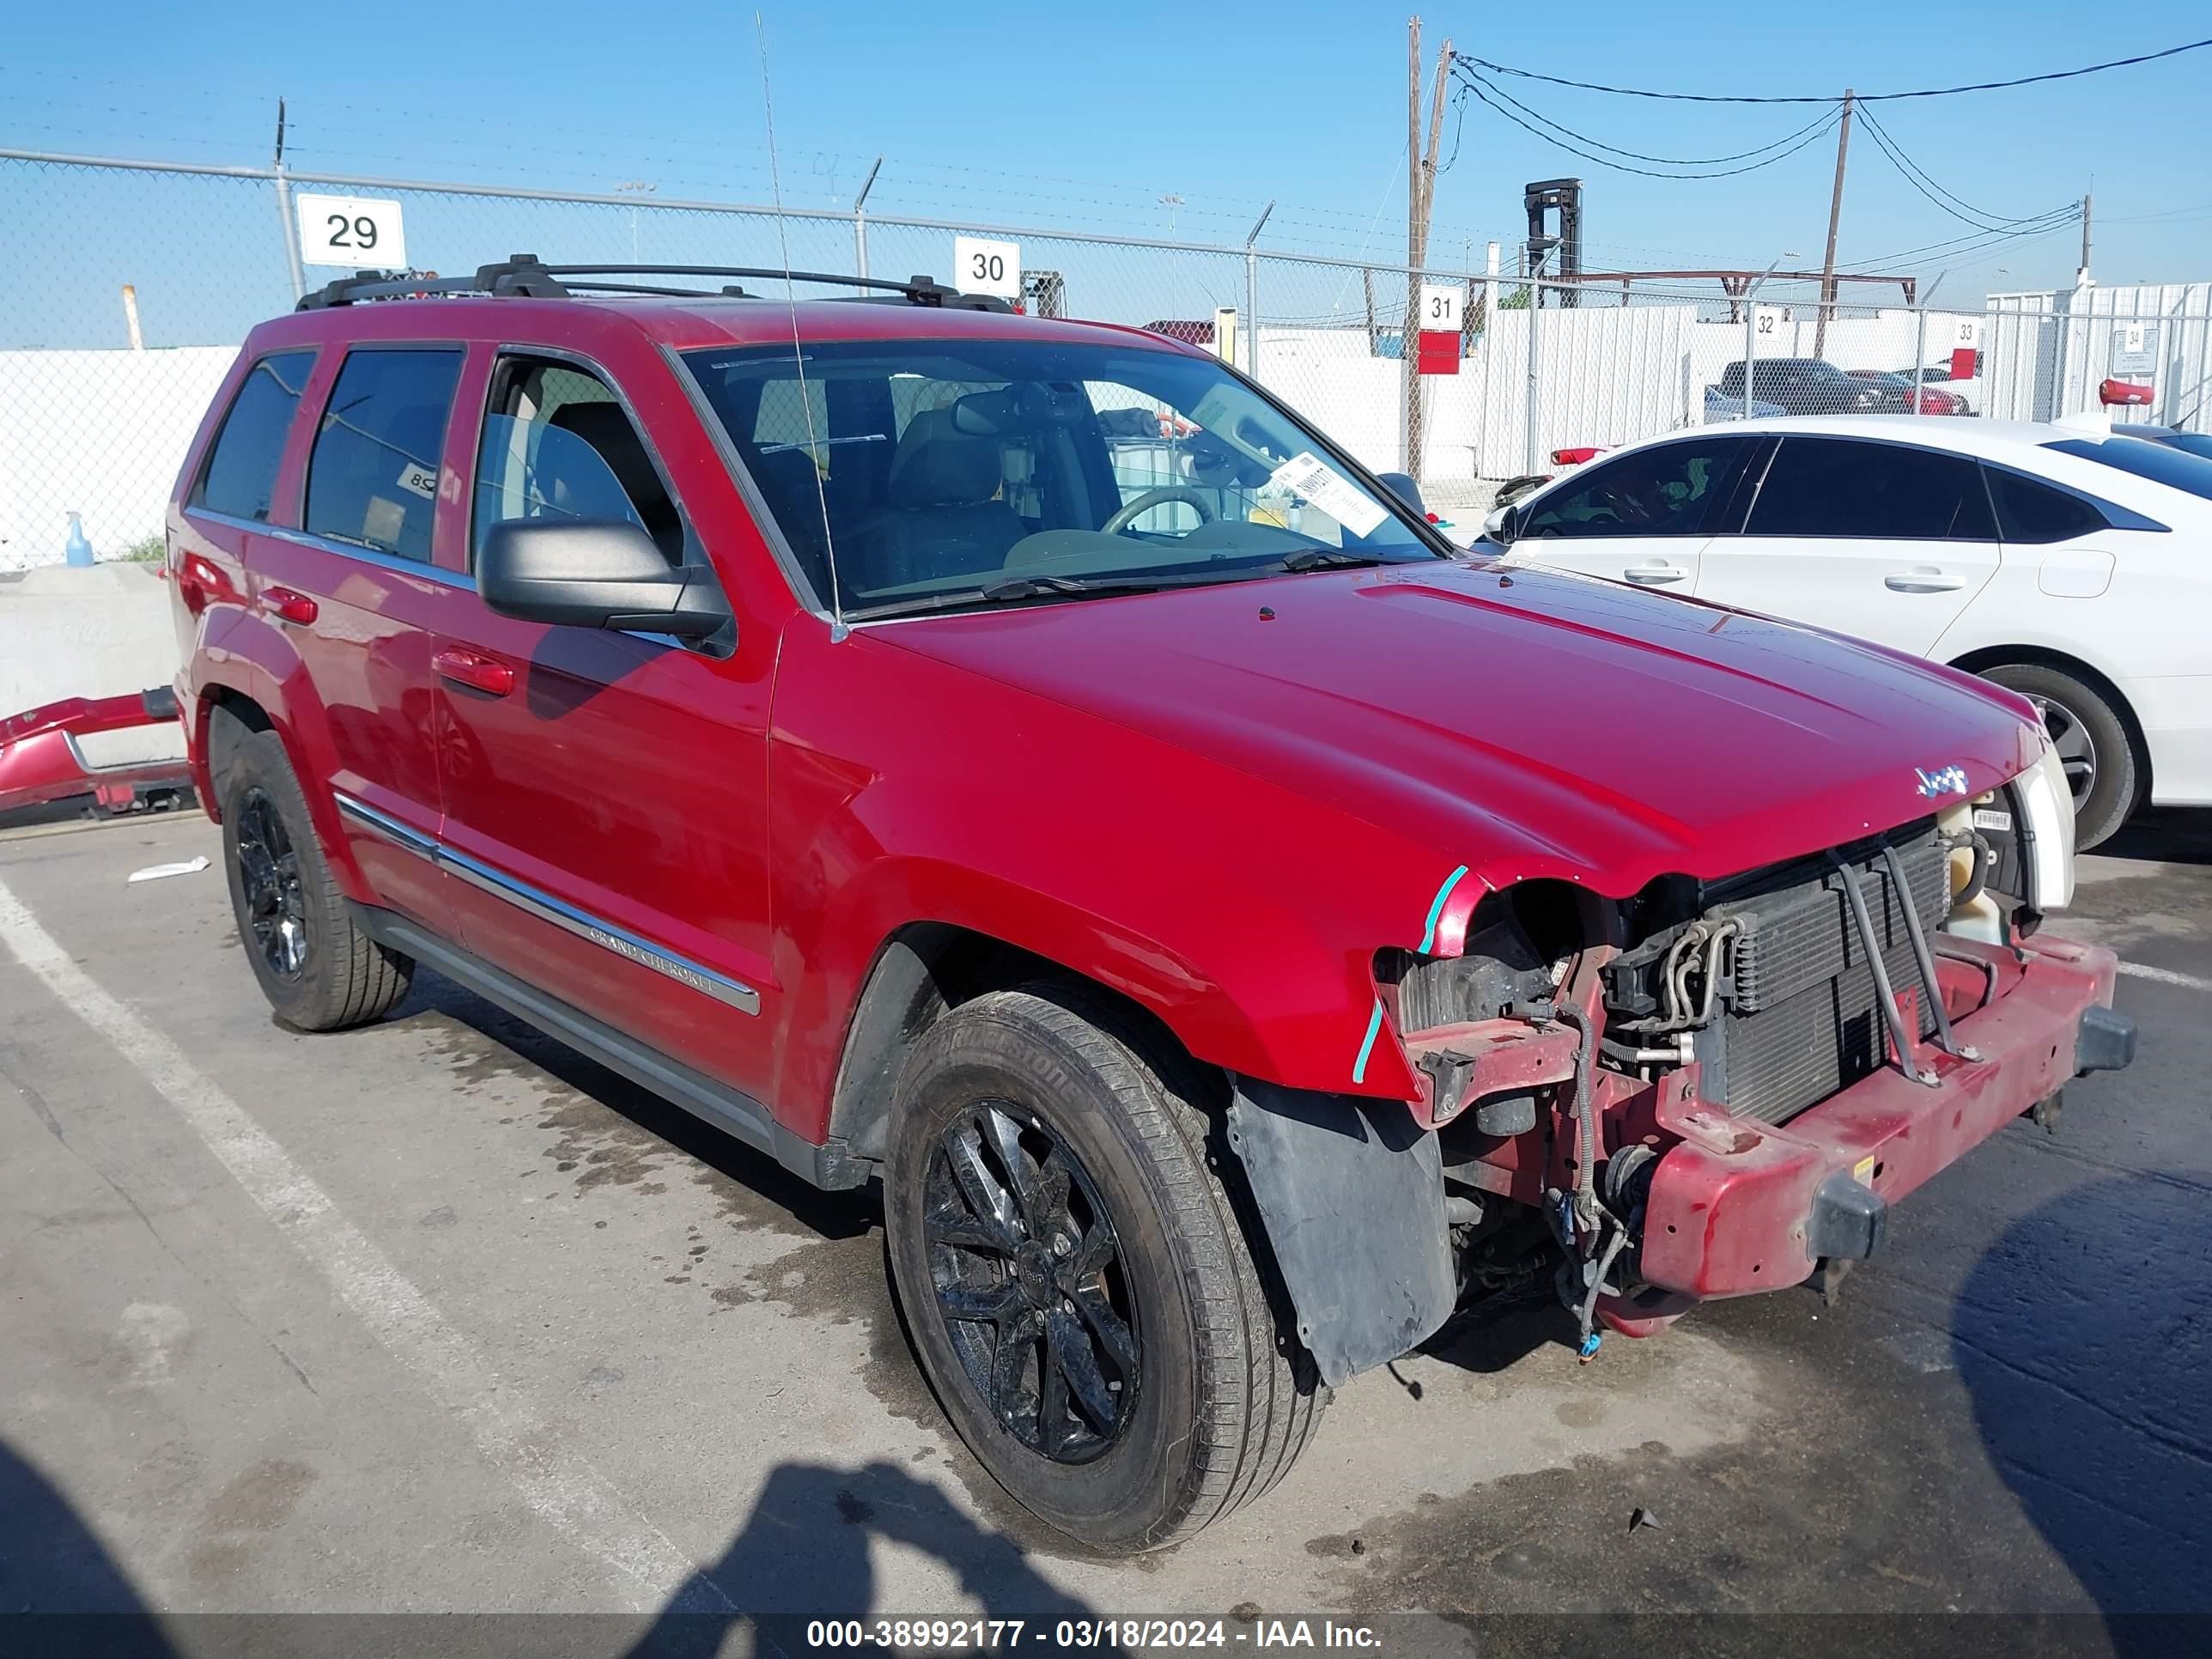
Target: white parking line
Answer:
pixel 563 1487
pixel 2165 976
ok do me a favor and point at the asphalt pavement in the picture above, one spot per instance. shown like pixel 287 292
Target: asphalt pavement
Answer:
pixel 440 1316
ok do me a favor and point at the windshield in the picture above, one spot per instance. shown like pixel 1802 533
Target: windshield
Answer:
pixel 941 472
pixel 2159 462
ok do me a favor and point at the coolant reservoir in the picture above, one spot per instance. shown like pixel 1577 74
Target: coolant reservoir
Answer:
pixel 1978 917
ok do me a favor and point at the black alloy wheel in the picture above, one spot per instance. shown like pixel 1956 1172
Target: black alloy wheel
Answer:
pixel 268 875
pixel 319 969
pixel 1030 1284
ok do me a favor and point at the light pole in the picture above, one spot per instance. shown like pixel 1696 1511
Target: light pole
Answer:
pixel 1751 327
pixel 635 187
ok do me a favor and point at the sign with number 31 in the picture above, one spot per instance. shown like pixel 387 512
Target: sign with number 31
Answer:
pixel 360 233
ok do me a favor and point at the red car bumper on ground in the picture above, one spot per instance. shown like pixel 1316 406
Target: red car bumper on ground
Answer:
pixel 42 755
pixel 1742 1206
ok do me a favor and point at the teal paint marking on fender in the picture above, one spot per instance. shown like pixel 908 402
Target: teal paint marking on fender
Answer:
pixel 1437 909
pixel 1367 1044
pixel 1428 943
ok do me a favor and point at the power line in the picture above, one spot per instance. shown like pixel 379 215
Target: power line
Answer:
pixel 2056 219
pixel 1482 90
pixel 1864 97
pixel 1917 176
pixel 1662 160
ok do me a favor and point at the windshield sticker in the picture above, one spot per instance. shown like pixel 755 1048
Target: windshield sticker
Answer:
pixel 423 480
pixel 1306 474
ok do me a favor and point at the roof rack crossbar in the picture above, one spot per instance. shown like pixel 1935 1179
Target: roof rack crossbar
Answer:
pixel 525 276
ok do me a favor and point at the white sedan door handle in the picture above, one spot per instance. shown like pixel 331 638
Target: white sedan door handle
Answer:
pixel 1923 578
pixel 1655 574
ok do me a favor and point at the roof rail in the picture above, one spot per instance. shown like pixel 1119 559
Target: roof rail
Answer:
pixel 524 275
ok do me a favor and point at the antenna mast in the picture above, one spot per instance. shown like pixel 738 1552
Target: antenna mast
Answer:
pixel 837 628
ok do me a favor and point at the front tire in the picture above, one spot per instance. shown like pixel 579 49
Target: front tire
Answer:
pixel 1075 1278
pixel 319 971
pixel 2102 767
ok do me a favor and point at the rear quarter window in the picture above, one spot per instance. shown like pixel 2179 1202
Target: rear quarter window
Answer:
pixel 2031 513
pixel 240 474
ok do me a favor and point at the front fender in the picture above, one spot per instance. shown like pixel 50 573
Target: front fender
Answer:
pixel 1244 915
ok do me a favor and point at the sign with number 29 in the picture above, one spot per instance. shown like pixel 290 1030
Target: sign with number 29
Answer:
pixel 360 233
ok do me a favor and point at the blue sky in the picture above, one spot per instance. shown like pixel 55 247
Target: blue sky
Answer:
pixel 1087 116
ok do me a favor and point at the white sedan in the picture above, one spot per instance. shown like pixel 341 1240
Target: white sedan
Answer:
pixel 2072 564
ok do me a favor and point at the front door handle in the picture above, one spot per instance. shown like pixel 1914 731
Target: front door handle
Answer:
pixel 1923 578
pixel 474 668
pixel 1655 574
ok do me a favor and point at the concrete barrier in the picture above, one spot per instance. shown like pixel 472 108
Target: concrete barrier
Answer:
pixel 70 632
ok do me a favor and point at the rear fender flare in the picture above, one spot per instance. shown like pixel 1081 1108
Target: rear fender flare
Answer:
pixel 258 663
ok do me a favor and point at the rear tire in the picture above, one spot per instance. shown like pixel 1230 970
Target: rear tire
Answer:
pixel 1208 1402
pixel 2092 742
pixel 319 971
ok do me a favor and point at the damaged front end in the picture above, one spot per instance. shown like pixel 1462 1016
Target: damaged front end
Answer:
pixel 1708 1088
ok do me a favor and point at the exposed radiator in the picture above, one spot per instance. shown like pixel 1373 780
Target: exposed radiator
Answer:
pixel 1801 1020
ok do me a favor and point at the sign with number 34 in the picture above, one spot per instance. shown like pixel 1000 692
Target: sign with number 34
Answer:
pixel 360 233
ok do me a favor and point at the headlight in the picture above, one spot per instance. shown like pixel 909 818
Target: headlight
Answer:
pixel 2047 804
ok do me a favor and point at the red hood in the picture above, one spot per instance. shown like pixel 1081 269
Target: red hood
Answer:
pixel 1525 723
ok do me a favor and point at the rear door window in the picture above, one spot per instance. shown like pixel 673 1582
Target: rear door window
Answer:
pixel 1827 487
pixel 372 478
pixel 240 475
pixel 1671 490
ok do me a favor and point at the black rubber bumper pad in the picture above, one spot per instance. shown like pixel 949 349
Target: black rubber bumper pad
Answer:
pixel 2105 1042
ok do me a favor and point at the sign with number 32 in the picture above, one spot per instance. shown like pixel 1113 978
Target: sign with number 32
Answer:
pixel 360 233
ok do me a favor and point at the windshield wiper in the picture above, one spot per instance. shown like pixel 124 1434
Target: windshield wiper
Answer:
pixel 1038 587
pixel 1330 558
pixel 1018 587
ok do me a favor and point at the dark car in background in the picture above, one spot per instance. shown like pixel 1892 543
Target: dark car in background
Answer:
pixel 1810 385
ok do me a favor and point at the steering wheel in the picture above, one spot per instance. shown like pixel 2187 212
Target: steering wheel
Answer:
pixel 1151 498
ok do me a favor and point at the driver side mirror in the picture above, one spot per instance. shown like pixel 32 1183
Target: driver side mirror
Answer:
pixel 1502 525
pixel 596 573
pixel 1401 485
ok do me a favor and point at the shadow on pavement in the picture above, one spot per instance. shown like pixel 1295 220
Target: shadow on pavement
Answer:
pixel 2163 834
pixel 52 1563
pixel 803 1554
pixel 2084 1336
pixel 832 1215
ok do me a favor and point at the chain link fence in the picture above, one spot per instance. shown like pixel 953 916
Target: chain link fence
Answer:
pixel 130 285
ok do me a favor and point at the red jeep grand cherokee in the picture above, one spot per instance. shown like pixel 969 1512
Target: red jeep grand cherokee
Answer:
pixel 1024 763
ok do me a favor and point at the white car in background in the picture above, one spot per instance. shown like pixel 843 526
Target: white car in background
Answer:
pixel 2072 564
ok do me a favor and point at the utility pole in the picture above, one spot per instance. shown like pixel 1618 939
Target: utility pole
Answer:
pixel 1835 218
pixel 1420 191
pixel 2081 277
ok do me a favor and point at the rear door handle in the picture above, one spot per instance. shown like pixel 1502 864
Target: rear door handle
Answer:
pixel 1923 578
pixel 473 669
pixel 1655 574
pixel 289 604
